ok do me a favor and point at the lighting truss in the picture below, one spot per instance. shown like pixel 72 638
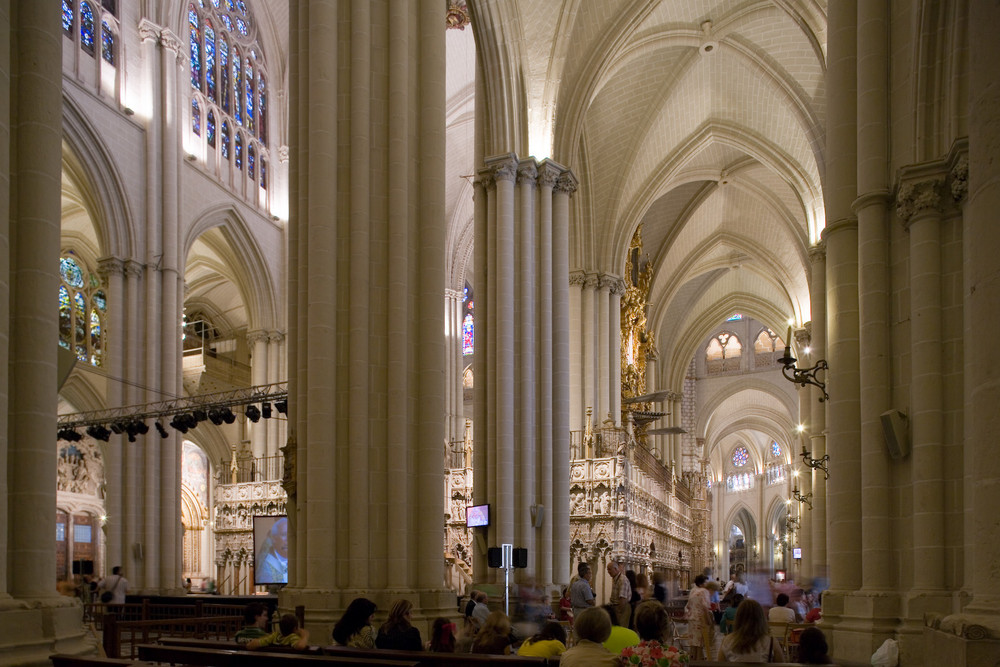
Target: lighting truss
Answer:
pixel 277 391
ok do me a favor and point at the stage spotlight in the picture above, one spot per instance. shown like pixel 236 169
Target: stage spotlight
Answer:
pixel 162 431
pixel 69 435
pixel 215 416
pixel 142 428
pixel 118 427
pixel 179 423
pixel 99 432
pixel 253 413
pixel 282 406
pixel 200 415
pixel 228 416
pixel 265 410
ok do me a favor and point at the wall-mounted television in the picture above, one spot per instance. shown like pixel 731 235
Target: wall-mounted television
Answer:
pixel 797 553
pixel 270 542
pixel 477 515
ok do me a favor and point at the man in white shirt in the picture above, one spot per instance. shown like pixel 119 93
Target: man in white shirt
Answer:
pixel 116 584
pixel 780 613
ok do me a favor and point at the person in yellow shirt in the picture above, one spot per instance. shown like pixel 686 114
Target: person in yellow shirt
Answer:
pixel 549 642
pixel 621 637
pixel 288 634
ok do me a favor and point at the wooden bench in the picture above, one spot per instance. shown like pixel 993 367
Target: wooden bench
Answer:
pixel 431 659
pixel 206 657
pixel 63 660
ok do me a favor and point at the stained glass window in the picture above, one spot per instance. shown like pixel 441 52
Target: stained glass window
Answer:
pixel 107 43
pixel 262 108
pixel 239 151
pixel 209 61
pixel 740 456
pixel 735 317
pixel 263 173
pixel 237 81
pixel 87 28
pixel 210 128
pixel 251 158
pixel 467 335
pixel 82 305
pixel 242 7
pixel 195 118
pixel 248 80
pixel 224 74
pixel 67 17
pixel 227 21
pixel 775 448
pixel 195 25
pixel 241 25
pixel 225 139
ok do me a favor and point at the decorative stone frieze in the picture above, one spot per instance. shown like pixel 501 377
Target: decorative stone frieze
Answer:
pixel 110 266
pixel 960 178
pixel 916 196
pixel 80 468
pixel 577 278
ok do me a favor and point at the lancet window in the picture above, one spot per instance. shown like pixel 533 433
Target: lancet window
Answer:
pixel 83 309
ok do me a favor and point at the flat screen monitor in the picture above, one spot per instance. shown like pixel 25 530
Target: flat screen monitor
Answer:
pixel 797 553
pixel 477 515
pixel 270 548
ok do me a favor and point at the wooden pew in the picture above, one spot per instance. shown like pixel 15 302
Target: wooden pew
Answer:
pixel 431 659
pixel 205 657
pixel 63 660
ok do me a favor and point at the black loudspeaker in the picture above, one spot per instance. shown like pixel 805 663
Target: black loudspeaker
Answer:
pixel 76 567
pixel 495 556
pixel 520 558
pixel 895 430
pixel 88 567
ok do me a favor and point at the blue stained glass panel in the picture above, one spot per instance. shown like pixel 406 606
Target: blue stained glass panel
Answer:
pixel 241 25
pixel 215 3
pixel 87 28
pixel 195 118
pixel 95 338
pixel 224 74
pixel 740 456
pixel 67 17
pixel 239 151
pixel 227 21
pixel 230 5
pixel 251 158
pixel 775 449
pixel 263 173
pixel 209 60
pixel 242 7
pixel 210 128
pixel 237 106
pixel 100 300
pixel 467 335
pixel 262 109
pixel 82 533
pixel 195 49
pixel 248 78
pixel 107 43
pixel 735 317
pixel 71 272
pixel 225 139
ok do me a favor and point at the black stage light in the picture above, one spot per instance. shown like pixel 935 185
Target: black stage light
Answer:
pixel 282 406
pixel 265 410
pixel 215 416
pixel 118 427
pixel 179 423
pixel 253 413
pixel 69 435
pixel 228 416
pixel 142 428
pixel 200 415
pixel 162 431
pixel 99 432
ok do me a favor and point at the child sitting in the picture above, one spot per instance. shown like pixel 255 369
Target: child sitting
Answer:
pixel 288 634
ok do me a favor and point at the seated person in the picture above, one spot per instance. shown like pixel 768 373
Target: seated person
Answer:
pixel 729 614
pixel 288 634
pixel 620 637
pixel 355 627
pixel 397 632
pixel 549 642
pixel 812 647
pixel 494 637
pixel 780 612
pixel 442 636
pixel 255 622
pixel 592 627
pixel 653 626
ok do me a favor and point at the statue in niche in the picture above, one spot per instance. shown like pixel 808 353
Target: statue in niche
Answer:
pixel 605 503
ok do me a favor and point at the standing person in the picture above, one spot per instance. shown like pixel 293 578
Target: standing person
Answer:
pixel 701 623
pixel 254 623
pixel 565 606
pixel 592 628
pixel 581 595
pixel 621 592
pixel 750 640
pixel 660 588
pixel 481 611
pixel 635 598
pixel 114 588
pixel 397 632
pixel 729 615
pixel 355 627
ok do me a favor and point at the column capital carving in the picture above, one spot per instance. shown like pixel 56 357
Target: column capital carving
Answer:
pixel 590 280
pixel 614 284
pixel 502 168
pixel 817 252
pixel 257 336
pixel 275 336
pixel 566 183
pixel 960 178
pixel 577 277
pixel 548 174
pixel 149 31
pixel 134 268
pixel 803 336
pixel 453 294
pixel 914 197
pixel 283 153
pixel 172 42
pixel 110 266
pixel 527 173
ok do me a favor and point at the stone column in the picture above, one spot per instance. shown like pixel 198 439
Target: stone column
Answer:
pixel 367 423
pixel 132 458
pixel 258 376
pixel 602 302
pixel 588 317
pixel 526 358
pixel 616 288
pixel 816 426
pixel 112 271
pixel 274 375
pixel 453 363
pixel 841 235
pixel 577 400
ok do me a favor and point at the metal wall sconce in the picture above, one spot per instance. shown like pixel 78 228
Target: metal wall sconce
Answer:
pixel 816 464
pixel 802 498
pixel 802 376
